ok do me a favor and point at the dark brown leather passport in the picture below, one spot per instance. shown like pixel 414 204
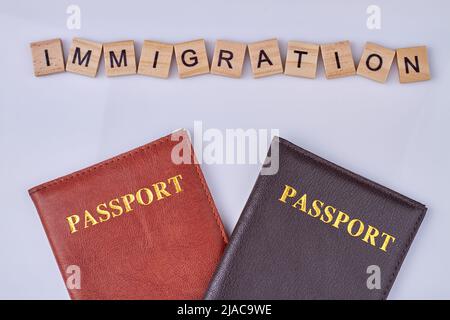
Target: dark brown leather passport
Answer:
pixel 141 225
pixel 314 230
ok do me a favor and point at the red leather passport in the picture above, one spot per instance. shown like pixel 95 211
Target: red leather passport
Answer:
pixel 137 226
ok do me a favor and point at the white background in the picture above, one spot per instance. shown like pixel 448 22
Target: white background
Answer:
pixel 397 135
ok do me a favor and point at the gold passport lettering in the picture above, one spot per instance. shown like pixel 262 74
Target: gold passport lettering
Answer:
pixel 126 203
pixel 337 218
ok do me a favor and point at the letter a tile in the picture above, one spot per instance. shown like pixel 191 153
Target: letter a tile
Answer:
pixel 265 58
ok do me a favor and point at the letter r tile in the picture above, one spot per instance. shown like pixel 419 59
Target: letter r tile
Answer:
pixel 228 58
pixel 120 58
pixel 192 59
pixel 84 57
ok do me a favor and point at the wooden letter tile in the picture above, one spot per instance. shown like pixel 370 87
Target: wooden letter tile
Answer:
pixel 375 63
pixel 120 58
pixel 265 58
pixel 156 58
pixel 338 60
pixel 228 58
pixel 301 59
pixel 48 57
pixel 192 59
pixel 84 57
pixel 413 65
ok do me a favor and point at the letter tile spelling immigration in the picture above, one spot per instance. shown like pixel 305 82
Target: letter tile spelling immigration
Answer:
pixel 228 60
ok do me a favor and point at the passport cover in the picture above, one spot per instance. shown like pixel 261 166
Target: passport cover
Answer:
pixel 137 226
pixel 316 231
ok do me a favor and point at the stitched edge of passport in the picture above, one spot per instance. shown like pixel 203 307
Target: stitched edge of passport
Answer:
pixel 403 254
pixel 422 208
pixel 208 196
pixel 129 154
